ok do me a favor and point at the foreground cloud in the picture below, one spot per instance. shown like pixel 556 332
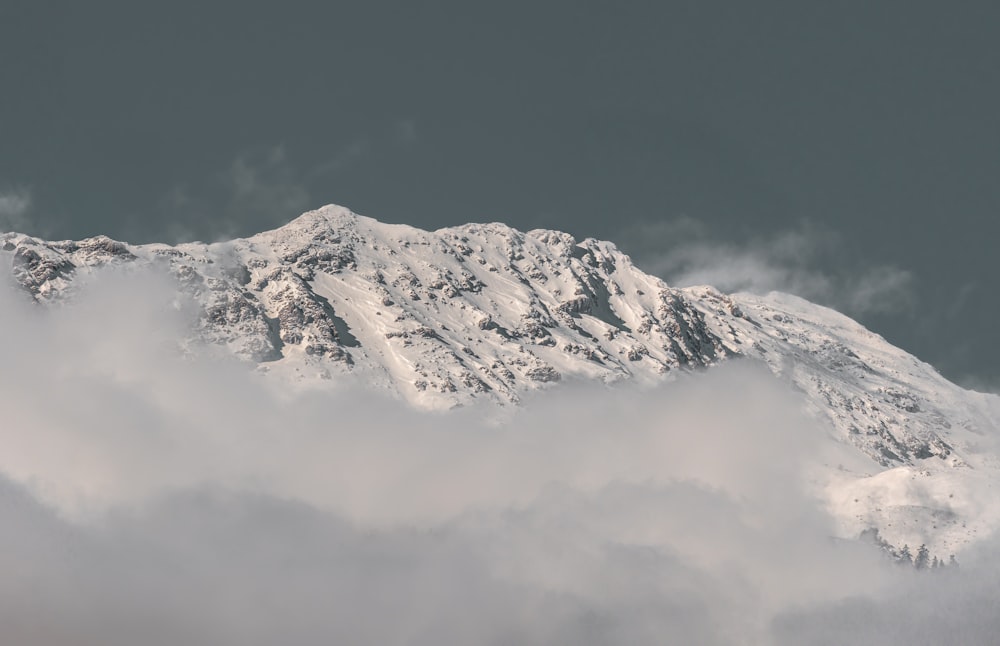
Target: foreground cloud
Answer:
pixel 149 499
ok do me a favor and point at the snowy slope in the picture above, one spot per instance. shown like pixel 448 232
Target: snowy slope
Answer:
pixel 479 311
pixel 930 439
pixel 485 312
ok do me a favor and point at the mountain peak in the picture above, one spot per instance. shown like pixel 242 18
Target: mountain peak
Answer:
pixel 484 312
pixel 330 216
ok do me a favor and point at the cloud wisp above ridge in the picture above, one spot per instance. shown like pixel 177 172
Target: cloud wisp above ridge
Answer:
pixel 797 261
pixel 148 498
pixel 14 207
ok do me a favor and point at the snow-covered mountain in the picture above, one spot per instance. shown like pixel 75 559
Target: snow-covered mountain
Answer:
pixel 486 312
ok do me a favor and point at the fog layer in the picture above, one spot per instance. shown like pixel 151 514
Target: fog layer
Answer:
pixel 151 498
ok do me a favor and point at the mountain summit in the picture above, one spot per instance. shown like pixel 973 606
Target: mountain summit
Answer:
pixel 486 312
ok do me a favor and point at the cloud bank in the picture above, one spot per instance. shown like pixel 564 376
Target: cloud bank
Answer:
pixel 146 498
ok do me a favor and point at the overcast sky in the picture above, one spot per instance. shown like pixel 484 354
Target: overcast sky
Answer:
pixel 848 151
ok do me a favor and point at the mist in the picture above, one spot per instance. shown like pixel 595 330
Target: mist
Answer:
pixel 154 496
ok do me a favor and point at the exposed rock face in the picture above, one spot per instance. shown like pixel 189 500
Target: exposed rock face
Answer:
pixel 446 317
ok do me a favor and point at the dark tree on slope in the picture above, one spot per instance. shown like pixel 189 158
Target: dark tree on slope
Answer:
pixel 905 558
pixel 923 558
pixel 872 536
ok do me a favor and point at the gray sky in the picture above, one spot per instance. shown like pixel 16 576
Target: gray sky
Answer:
pixel 848 151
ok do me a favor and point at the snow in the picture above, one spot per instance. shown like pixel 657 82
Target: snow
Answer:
pixel 486 313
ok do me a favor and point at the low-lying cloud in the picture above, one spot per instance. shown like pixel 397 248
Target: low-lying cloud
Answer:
pixel 146 498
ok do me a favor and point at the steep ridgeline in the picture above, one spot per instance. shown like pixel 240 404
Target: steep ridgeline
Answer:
pixel 483 311
pixel 445 317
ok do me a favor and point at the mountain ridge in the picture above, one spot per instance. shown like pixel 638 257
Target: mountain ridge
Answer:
pixel 487 313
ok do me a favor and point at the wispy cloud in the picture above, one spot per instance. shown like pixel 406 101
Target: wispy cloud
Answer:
pixel 14 207
pixel 343 158
pixel 259 189
pixel 406 131
pixel 266 186
pixel 266 181
pixel 366 146
pixel 809 261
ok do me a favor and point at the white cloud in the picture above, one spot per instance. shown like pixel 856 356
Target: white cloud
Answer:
pixel 149 499
pixel 14 207
pixel 809 262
